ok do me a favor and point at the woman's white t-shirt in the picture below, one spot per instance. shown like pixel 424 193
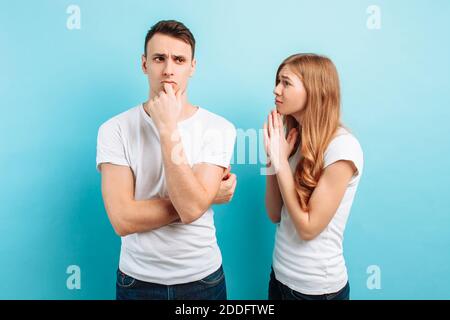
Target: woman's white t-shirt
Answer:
pixel 317 266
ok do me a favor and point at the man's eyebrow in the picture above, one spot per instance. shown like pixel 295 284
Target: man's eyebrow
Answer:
pixel 159 55
pixel 155 55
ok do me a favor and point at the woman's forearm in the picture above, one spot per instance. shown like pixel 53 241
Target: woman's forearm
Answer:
pixel 274 202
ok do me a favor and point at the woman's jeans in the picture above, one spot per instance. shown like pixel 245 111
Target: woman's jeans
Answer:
pixel 211 287
pixel 278 291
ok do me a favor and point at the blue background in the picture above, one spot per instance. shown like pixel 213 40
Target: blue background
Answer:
pixel 58 85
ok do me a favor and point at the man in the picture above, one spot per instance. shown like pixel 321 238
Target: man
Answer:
pixel 163 164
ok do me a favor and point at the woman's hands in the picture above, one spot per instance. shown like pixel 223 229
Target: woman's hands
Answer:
pixel 277 147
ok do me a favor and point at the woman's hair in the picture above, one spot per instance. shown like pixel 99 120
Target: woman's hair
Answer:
pixel 320 118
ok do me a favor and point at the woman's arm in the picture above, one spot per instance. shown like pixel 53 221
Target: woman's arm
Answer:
pixel 324 200
pixel 274 202
pixel 327 195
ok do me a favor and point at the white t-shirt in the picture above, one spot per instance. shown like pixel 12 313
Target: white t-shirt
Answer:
pixel 317 266
pixel 176 253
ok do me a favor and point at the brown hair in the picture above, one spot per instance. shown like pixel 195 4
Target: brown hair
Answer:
pixel 171 28
pixel 320 118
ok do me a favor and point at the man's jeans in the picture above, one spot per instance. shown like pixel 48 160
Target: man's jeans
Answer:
pixel 211 287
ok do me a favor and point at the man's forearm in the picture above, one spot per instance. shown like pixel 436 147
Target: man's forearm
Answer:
pixel 187 194
pixel 147 215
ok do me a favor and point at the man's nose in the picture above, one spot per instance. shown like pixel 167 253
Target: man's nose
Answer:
pixel 168 68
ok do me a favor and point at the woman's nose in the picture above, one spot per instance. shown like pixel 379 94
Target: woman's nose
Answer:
pixel 277 91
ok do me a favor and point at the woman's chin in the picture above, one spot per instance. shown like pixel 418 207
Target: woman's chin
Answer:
pixel 280 110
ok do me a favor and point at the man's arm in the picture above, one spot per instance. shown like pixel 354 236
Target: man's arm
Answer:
pixel 191 190
pixel 127 215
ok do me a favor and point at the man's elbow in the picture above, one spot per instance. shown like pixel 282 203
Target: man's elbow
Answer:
pixel 119 222
pixel 121 230
pixel 121 227
pixel 189 214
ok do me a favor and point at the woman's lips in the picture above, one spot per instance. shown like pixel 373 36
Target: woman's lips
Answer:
pixel 278 101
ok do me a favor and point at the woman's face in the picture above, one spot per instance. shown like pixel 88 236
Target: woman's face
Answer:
pixel 290 94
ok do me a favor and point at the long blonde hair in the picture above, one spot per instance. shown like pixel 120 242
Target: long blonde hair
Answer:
pixel 320 118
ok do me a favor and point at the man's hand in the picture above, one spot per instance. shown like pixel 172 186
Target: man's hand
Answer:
pixel 165 109
pixel 227 188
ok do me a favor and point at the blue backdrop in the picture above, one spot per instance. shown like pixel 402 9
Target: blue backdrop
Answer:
pixel 60 79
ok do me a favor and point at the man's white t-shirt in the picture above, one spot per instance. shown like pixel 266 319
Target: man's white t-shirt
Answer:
pixel 317 266
pixel 176 253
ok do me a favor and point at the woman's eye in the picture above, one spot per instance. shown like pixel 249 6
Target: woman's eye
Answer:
pixel 286 83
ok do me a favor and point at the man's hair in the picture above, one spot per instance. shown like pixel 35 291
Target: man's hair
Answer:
pixel 174 29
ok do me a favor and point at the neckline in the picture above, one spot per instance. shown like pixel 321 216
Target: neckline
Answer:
pixel 182 122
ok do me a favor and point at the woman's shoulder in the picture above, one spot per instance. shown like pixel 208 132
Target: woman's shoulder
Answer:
pixel 344 146
pixel 342 138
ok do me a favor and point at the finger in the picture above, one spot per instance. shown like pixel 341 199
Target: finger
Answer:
pixel 276 125
pixel 266 132
pixel 168 89
pixel 266 138
pixel 280 120
pixel 233 186
pixel 270 123
pixel 178 95
pixel 149 105
pixel 180 92
pixel 226 173
pixel 229 182
pixel 232 178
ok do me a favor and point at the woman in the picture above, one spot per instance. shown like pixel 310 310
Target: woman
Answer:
pixel 317 165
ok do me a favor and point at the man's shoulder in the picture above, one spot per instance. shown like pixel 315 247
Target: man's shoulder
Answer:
pixel 123 119
pixel 217 121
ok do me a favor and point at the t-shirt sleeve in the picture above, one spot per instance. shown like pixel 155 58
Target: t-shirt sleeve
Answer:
pixel 110 146
pixel 345 147
pixel 218 145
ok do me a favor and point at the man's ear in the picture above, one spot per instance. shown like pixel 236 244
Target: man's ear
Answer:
pixel 193 65
pixel 144 64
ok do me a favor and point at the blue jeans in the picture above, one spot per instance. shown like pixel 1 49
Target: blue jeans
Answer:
pixel 278 291
pixel 211 287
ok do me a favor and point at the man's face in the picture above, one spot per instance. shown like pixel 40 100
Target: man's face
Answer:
pixel 169 60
